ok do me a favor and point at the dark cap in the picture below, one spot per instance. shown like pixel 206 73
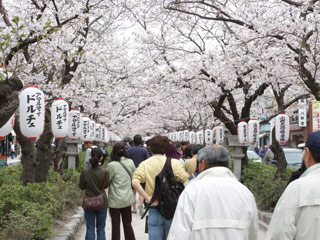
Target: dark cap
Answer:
pixel 313 142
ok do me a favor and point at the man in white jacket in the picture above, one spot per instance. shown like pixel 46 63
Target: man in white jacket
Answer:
pixel 215 205
pixel 297 214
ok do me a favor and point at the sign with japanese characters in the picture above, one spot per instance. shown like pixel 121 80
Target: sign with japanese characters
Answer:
pixel 253 131
pixel 282 128
pixel 85 128
pixel 74 128
pixel 180 136
pixel 7 128
pixel 208 136
pixel 242 132
pixel 315 116
pixel 218 133
pixel 32 112
pixel 302 120
pixel 59 118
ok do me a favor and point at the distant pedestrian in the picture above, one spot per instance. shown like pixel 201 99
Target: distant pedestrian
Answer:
pixel 93 179
pixel 146 173
pixel 12 150
pixel 120 194
pixel 138 154
pixel 191 165
pixel 215 205
pixel 297 212
pixel 89 146
pixel 257 150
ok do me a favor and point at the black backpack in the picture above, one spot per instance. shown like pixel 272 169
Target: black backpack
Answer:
pixel 167 190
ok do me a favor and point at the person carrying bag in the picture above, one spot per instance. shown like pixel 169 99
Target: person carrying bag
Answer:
pixel 94 180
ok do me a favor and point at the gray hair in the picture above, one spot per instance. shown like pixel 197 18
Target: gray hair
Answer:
pixel 215 155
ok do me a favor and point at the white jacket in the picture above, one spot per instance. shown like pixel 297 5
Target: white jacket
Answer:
pixel 297 214
pixel 215 206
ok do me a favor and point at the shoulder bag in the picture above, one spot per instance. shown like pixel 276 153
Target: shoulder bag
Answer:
pixel 96 202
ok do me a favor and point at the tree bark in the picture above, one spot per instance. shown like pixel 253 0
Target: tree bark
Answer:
pixel 59 154
pixel 9 98
pixel 278 154
pixel 44 151
pixel 28 155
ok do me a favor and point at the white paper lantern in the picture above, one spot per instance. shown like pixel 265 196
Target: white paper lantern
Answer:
pixel 103 134
pixel 175 136
pixel 171 136
pixel 7 128
pixel 199 137
pixel 107 136
pixel 186 135
pixel 32 112
pixel 282 128
pixel 253 131
pixel 59 118
pixel 192 137
pixel 208 136
pixel 92 130
pixel 218 133
pixel 180 136
pixel 85 128
pixel 98 132
pixel 74 126
pixel 242 132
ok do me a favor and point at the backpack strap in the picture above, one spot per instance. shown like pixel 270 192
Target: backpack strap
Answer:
pixel 125 168
pixel 157 189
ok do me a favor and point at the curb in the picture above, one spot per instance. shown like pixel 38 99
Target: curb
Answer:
pixel 70 229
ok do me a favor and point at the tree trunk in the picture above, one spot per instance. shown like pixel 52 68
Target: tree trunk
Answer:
pixel 59 154
pixel 28 155
pixel 44 151
pixel 9 98
pixel 279 155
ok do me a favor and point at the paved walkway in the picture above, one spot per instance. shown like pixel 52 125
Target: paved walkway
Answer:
pixel 138 228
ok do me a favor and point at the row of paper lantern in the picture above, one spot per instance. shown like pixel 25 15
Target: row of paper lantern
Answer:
pixel 63 122
pixel 200 137
pixel 247 133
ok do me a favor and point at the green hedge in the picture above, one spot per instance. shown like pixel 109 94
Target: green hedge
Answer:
pixel 260 179
pixel 28 212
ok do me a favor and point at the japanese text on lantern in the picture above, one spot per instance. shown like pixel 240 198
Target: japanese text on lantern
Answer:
pixel 33 100
pixel 75 124
pixel 61 115
pixel 85 128
pixel 282 129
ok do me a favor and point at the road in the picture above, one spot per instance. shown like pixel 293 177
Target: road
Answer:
pixel 138 228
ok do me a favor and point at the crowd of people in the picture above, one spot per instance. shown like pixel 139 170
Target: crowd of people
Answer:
pixel 213 205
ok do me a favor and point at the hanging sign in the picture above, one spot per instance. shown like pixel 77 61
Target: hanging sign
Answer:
pixel 192 137
pixel 242 132
pixel 199 137
pixel 74 126
pixel 253 131
pixel 32 112
pixel 103 134
pixel 7 128
pixel 302 112
pixel 219 134
pixel 208 136
pixel 186 135
pixel 59 118
pixel 85 128
pixel 282 128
